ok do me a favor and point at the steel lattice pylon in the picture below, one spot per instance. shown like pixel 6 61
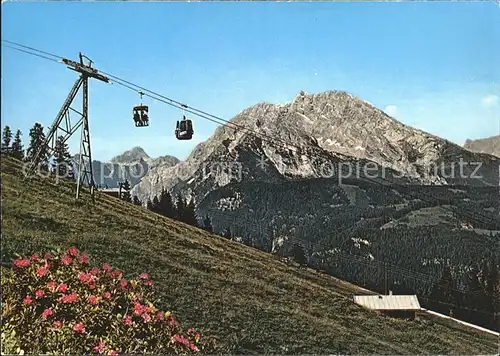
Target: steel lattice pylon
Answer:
pixel 63 123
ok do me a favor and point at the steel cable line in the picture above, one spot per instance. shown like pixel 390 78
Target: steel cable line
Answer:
pixel 204 115
pixel 196 112
pixel 33 49
pixel 34 54
pixel 165 102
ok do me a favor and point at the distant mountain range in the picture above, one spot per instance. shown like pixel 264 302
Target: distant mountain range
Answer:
pixel 489 145
pixel 131 165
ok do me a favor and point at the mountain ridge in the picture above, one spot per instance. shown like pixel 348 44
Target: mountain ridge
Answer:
pixel 340 125
pixel 489 145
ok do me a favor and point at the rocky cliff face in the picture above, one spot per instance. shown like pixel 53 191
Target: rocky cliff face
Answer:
pixel 489 145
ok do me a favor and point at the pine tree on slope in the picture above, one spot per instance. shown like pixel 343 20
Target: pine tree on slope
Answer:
pixel 17 146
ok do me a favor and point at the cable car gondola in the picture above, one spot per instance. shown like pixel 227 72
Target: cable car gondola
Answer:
pixel 140 114
pixel 184 129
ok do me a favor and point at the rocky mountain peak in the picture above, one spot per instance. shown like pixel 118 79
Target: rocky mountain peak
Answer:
pixel 332 123
pixel 133 155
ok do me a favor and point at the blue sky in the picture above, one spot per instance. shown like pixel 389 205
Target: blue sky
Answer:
pixel 434 66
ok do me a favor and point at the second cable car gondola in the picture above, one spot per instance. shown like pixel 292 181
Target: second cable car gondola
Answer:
pixel 184 129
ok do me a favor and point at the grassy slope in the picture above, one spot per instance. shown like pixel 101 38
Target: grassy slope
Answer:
pixel 433 216
pixel 240 295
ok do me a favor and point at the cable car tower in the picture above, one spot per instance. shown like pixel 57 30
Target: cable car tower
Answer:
pixel 63 123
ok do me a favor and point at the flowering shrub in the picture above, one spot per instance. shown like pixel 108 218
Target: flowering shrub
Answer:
pixel 59 304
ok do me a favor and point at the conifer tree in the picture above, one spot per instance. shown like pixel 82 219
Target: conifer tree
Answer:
pixel 6 138
pixel 190 214
pixel 155 206
pixel 226 233
pixel 17 146
pixel 37 137
pixel 63 162
pixel 207 224
pixel 443 292
pixel 299 254
pixel 180 207
pixel 492 287
pixel 475 287
pixel 125 191
pixel 136 201
pixel 166 205
pixel 149 204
